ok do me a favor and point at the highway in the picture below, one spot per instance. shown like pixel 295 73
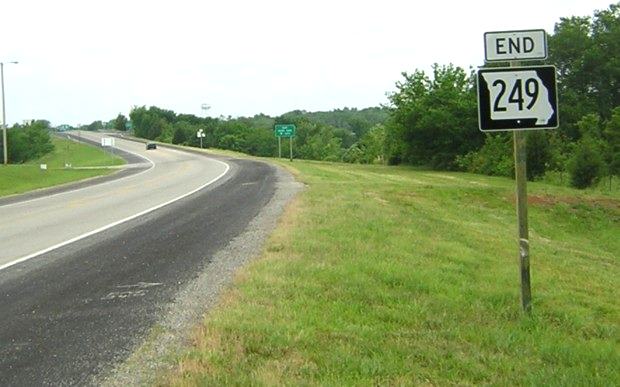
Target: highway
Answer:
pixel 86 273
pixel 36 225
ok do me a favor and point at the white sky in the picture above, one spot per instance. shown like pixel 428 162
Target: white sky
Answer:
pixel 81 61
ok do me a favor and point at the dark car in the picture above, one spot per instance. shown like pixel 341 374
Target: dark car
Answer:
pixel 151 145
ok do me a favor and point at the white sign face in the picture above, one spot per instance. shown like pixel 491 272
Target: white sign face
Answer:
pixel 517 98
pixel 200 134
pixel 515 45
pixel 107 141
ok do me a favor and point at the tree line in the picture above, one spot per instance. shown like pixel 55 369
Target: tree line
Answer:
pixel 27 142
pixel 431 119
pixel 428 120
pixel 319 135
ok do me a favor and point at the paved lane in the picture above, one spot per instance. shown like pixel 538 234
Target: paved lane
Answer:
pixel 74 312
pixel 36 225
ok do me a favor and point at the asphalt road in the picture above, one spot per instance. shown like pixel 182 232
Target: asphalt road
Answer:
pixel 77 310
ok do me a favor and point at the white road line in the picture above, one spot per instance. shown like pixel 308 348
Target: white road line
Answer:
pixel 100 229
pixel 89 186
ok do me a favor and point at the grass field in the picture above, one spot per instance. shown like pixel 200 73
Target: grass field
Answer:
pixel 396 276
pixel 21 178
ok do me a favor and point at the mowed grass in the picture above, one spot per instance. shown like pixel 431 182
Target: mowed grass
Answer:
pixel 15 179
pixel 395 276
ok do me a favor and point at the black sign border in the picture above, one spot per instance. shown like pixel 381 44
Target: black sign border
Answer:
pixel 547 75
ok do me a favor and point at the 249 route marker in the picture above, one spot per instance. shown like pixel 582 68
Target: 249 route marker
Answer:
pixel 517 98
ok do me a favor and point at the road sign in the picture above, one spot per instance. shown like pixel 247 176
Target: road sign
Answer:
pixel 285 130
pixel 107 141
pixel 200 134
pixel 515 45
pixel 517 98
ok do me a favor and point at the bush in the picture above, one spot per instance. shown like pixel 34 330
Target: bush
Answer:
pixel 494 158
pixel 586 165
pixel 539 154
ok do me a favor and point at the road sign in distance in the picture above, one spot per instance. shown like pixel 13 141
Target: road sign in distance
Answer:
pixel 517 98
pixel 107 141
pixel 503 46
pixel 285 130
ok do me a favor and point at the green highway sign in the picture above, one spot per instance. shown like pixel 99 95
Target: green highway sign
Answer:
pixel 285 130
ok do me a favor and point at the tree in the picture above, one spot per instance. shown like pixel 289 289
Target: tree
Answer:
pixel 585 51
pixel 369 149
pixel 180 135
pixel 587 165
pixel 612 137
pixel 153 123
pixel 120 123
pixel 538 154
pixel 95 125
pixel 29 142
pixel 494 158
pixel 433 121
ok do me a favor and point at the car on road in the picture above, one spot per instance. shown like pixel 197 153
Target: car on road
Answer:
pixel 151 145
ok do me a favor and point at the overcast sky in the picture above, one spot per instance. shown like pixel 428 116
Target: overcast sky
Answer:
pixel 81 61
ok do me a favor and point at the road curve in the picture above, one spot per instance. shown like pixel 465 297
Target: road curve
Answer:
pixel 35 226
pixel 74 312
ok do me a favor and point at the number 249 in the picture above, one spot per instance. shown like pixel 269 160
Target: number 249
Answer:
pixel 516 94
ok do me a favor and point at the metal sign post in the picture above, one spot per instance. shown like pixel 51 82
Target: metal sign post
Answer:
pixel 517 99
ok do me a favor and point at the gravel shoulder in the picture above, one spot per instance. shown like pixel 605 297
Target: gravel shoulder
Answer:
pixel 173 332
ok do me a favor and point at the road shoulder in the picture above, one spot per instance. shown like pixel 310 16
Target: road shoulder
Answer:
pixel 173 332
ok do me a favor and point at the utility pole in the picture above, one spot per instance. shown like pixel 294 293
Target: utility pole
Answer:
pixel 5 151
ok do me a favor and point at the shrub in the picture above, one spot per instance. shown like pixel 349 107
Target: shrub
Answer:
pixel 494 158
pixel 586 164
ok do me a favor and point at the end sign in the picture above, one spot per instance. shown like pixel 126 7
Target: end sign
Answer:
pixel 515 45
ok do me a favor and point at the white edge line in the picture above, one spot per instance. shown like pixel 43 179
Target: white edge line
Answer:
pixel 100 229
pixel 89 186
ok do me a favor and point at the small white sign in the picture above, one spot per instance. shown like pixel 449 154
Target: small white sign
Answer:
pixel 200 134
pixel 43 167
pixel 505 46
pixel 107 141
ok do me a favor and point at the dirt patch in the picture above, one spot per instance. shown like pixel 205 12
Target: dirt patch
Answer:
pixel 550 200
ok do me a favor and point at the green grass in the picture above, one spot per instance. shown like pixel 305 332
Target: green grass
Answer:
pixel 394 276
pixel 15 179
